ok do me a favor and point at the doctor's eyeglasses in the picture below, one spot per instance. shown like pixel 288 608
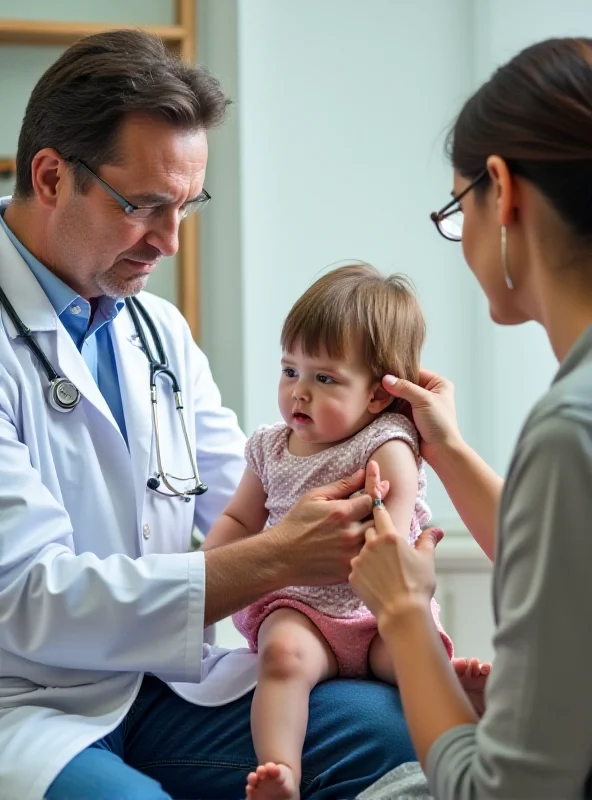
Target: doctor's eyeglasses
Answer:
pixel 145 212
pixel 449 220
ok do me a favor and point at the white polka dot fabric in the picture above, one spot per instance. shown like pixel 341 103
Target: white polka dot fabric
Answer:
pixel 286 478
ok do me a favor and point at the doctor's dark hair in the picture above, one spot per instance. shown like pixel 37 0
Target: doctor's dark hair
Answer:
pixel 356 307
pixel 536 113
pixel 79 104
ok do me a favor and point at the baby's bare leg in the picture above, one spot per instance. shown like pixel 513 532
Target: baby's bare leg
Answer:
pixel 380 662
pixel 293 658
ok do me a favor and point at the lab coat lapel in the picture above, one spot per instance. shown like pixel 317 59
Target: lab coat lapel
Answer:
pixel 73 366
pixel 36 312
pixel 134 380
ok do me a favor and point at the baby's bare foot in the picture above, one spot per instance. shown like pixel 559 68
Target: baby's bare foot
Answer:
pixel 272 782
pixel 473 675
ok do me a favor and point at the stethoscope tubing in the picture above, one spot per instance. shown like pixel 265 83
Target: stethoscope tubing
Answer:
pixel 64 395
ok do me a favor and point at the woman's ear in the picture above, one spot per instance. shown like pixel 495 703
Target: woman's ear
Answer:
pixel 505 189
pixel 380 399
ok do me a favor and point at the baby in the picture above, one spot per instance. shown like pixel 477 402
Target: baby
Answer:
pixel 351 327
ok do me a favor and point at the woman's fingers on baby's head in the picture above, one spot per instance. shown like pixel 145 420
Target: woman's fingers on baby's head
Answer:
pixel 426 376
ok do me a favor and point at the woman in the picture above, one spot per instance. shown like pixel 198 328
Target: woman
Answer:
pixel 522 156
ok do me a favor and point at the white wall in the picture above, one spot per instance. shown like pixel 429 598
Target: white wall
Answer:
pixel 220 226
pixel 333 150
pixel 341 110
pixel 516 365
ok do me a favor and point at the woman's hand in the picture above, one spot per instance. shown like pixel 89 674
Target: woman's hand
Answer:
pixel 471 484
pixel 432 405
pixel 389 575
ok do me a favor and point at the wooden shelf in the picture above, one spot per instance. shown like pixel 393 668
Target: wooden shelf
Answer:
pixel 7 167
pixel 38 32
pixel 179 37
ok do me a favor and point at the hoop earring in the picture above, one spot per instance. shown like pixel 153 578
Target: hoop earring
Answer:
pixel 507 278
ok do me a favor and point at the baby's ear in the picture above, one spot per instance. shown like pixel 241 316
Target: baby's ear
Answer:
pixel 380 399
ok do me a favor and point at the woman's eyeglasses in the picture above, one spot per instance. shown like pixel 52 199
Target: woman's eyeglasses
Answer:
pixel 449 220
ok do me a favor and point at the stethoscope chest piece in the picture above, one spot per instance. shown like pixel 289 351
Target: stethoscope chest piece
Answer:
pixel 63 395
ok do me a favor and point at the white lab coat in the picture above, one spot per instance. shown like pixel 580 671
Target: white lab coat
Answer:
pixel 96 582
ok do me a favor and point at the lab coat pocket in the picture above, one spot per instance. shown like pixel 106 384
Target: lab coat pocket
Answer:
pixel 14 692
pixel 11 687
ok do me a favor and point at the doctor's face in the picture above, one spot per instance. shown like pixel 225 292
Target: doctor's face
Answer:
pixel 93 244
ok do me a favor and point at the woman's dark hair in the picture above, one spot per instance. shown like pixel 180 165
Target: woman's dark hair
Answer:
pixel 79 104
pixel 535 112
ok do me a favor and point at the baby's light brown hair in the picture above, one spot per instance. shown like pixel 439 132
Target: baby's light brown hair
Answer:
pixel 357 307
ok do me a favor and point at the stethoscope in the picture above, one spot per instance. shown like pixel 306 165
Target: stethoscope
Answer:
pixel 64 396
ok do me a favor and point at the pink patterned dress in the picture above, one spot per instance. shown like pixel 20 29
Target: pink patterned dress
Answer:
pixel 342 618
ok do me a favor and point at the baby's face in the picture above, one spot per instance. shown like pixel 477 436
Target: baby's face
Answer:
pixel 325 400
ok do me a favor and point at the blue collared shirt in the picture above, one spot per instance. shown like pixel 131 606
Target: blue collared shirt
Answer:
pixel 94 343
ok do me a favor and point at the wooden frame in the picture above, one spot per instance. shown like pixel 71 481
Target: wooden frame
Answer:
pixel 7 167
pixel 180 37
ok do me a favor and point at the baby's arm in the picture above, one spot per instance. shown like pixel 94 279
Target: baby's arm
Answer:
pixel 244 515
pixel 397 464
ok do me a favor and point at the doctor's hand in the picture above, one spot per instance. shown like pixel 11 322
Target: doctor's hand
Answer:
pixel 323 531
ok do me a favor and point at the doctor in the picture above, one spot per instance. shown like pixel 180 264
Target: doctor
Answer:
pixel 108 686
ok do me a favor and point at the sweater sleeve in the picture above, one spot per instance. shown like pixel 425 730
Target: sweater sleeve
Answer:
pixel 534 741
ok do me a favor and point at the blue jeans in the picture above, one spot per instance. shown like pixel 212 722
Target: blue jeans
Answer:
pixel 167 748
